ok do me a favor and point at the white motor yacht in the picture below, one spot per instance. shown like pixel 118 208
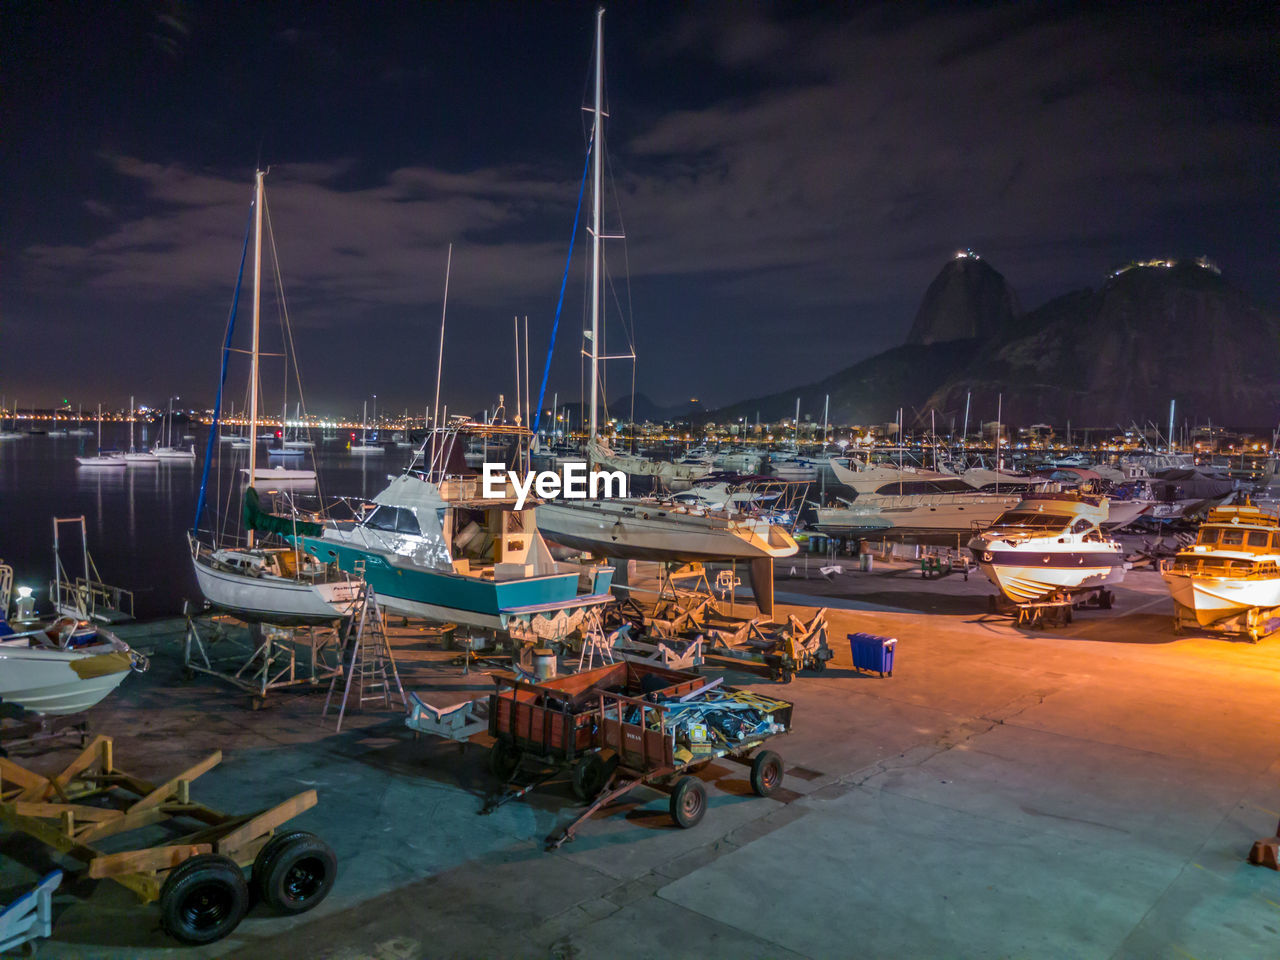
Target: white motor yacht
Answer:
pixel 64 666
pixel 1049 544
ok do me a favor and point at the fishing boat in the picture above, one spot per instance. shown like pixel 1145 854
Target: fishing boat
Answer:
pixel 1230 577
pixel 432 546
pixel 1049 544
pixel 649 528
pixel 111 458
pixel 258 582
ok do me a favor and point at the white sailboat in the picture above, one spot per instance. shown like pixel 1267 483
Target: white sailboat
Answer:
pixel 363 446
pixel 169 451
pixel 82 430
pixel 9 434
pixel 101 459
pixel 281 585
pixel 647 528
pixel 136 457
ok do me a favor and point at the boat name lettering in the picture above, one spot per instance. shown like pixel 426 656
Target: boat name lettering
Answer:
pixel 573 482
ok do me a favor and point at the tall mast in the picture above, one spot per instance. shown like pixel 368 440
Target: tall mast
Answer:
pixel 257 306
pixel 597 141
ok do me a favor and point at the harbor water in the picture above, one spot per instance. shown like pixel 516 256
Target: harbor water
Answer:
pixel 137 517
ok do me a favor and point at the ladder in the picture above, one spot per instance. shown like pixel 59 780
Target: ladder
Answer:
pixel 370 665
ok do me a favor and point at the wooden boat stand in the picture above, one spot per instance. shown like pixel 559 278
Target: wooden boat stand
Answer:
pixel 51 810
pixel 19 727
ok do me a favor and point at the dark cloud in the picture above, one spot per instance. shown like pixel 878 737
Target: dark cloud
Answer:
pixel 789 179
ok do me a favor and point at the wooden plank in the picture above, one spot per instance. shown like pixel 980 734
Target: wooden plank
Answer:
pixel 133 820
pixel 142 861
pixel 52 811
pixel 170 787
pixel 24 779
pixel 266 821
pixel 97 753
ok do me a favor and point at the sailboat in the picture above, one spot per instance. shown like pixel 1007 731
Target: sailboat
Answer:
pixel 82 430
pixel 9 434
pixel 170 452
pixel 648 528
pixel 136 456
pixel 101 459
pixel 278 584
pixel 364 446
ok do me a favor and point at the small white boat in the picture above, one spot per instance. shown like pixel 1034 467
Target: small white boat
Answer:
pixel 65 666
pixel 109 458
pixel 174 453
pixel 367 448
pixel 278 473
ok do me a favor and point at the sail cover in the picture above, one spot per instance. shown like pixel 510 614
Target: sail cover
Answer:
pixel 256 519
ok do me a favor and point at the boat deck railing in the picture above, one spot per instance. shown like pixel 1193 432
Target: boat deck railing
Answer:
pixel 92 599
pixel 1231 567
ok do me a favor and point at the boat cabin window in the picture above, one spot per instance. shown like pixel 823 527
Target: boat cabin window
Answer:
pixel 1257 538
pixel 394 520
pixel 1208 535
pixel 1275 541
pixel 1024 520
pixel 1232 538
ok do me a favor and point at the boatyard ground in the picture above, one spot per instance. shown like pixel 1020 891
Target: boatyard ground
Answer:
pixel 1089 791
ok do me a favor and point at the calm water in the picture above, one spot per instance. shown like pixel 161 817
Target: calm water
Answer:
pixel 137 517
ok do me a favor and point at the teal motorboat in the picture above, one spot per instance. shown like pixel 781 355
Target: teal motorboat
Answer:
pixel 431 545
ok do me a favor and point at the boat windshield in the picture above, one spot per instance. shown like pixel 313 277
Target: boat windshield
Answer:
pixel 1026 520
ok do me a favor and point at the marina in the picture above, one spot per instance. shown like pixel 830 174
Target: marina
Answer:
pixel 718 481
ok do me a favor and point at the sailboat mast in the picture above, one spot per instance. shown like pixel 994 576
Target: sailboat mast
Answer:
pixel 597 142
pixel 131 409
pixel 257 307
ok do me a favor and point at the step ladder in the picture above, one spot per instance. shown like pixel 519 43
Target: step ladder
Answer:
pixel 371 672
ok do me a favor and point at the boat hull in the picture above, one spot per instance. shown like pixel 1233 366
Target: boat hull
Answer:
pixel 59 681
pixel 1026 576
pixel 1211 600
pixel 654 532
pixel 405 588
pixel 274 600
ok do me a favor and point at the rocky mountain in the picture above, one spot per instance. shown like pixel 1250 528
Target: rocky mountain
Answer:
pixel 1153 332
pixel 968 300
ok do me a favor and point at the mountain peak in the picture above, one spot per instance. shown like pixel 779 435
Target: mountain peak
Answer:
pixel 968 300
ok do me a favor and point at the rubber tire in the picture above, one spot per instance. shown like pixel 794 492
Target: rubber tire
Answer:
pixel 818 665
pixel 766 773
pixel 991 603
pixel 688 802
pixel 503 761
pixel 214 876
pixel 590 776
pixel 1105 599
pixel 273 874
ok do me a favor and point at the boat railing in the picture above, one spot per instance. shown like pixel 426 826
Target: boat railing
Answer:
pixel 91 599
pixel 1234 568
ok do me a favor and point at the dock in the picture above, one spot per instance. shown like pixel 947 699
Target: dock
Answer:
pixel 1090 790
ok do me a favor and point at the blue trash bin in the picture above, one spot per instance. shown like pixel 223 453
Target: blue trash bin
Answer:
pixel 872 653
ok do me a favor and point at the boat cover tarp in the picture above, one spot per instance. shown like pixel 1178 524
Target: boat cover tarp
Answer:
pixel 1190 485
pixel 256 519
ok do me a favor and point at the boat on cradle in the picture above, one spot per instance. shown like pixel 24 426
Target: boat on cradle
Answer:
pixel 649 528
pixel 1047 545
pixel 434 547
pixel 891 479
pixel 1230 577
pixel 58 666
pixel 109 458
pixel 940 517
pixel 259 581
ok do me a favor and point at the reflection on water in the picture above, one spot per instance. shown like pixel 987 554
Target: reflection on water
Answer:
pixel 137 517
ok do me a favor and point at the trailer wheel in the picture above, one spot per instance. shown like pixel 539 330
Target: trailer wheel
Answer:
pixel 203 899
pixel 766 773
pixel 688 802
pixel 294 872
pixel 590 774
pixel 1105 598
pixel 503 760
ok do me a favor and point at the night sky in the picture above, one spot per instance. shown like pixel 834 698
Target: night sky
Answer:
pixel 790 178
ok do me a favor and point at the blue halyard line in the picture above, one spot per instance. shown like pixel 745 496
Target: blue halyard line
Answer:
pixel 568 260
pixel 226 353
